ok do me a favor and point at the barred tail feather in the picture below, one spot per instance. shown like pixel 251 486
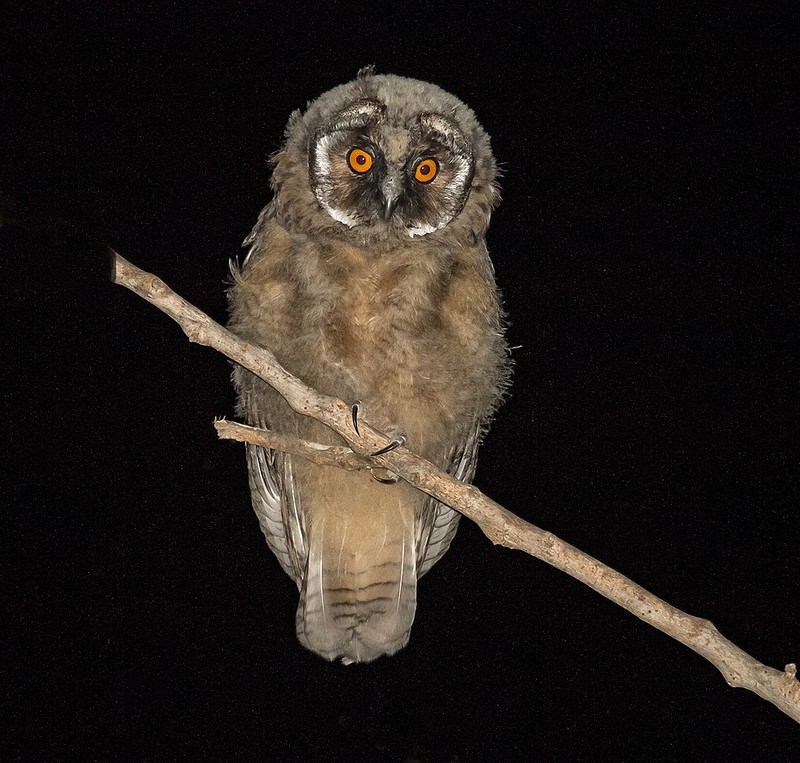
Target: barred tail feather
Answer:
pixel 358 595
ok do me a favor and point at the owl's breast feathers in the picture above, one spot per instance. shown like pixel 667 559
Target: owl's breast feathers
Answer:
pixel 414 332
pixel 414 328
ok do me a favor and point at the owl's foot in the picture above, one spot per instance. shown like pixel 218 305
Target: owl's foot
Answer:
pixel 384 476
pixel 396 442
pixel 381 475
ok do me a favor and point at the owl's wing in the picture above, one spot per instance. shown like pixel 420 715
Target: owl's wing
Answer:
pixel 440 522
pixel 253 239
pixel 267 213
pixel 276 504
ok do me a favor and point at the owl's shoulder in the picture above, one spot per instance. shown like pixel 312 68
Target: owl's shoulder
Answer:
pixel 270 247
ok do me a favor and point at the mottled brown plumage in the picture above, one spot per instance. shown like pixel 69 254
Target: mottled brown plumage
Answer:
pixel 372 286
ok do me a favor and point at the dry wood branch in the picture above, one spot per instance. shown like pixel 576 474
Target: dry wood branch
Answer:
pixel 501 526
pixel 325 455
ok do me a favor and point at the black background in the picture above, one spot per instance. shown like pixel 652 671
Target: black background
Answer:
pixel 646 250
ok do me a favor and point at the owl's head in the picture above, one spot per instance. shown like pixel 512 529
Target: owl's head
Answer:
pixel 385 157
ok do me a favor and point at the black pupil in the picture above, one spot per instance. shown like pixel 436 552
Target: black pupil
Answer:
pixel 361 159
pixel 424 169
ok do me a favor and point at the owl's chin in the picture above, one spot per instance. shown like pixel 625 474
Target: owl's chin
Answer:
pixel 377 234
pixel 379 229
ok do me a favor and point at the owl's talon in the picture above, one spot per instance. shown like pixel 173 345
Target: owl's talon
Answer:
pixel 397 442
pixel 354 409
pixel 384 476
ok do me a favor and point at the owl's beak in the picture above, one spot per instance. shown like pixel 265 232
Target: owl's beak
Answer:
pixel 390 191
pixel 389 206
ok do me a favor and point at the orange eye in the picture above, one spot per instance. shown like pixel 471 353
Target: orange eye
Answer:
pixel 359 160
pixel 426 170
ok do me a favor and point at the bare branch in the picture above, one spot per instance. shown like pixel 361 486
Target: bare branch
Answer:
pixel 501 526
pixel 325 455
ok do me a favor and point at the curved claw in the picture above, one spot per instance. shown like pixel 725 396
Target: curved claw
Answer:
pixel 396 442
pixel 384 476
pixel 354 409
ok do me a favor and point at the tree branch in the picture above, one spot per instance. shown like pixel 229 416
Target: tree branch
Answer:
pixel 325 455
pixel 501 526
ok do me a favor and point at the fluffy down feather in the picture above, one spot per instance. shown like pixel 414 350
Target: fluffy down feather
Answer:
pixel 408 324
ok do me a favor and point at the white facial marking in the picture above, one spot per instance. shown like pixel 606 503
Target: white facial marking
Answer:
pixel 424 230
pixel 322 191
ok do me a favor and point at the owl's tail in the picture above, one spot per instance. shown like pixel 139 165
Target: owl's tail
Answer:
pixel 359 592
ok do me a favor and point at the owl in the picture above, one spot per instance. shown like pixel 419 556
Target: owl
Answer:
pixel 368 277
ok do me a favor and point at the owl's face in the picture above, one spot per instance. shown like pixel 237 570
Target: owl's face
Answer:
pixel 364 170
pixel 384 158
